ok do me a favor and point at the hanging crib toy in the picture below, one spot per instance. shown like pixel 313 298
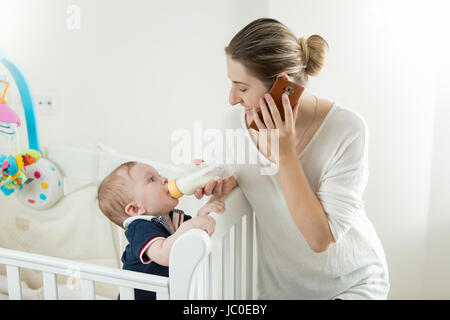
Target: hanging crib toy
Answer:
pixel 7 116
pixel 12 176
pixel 37 181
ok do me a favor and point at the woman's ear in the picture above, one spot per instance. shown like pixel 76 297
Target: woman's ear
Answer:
pixel 283 75
pixel 134 209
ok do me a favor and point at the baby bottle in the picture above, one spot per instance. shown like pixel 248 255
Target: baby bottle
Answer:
pixel 197 177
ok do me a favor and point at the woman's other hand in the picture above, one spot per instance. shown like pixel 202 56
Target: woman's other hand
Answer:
pixel 272 121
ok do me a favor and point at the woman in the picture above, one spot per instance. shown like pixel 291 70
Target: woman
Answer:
pixel 314 239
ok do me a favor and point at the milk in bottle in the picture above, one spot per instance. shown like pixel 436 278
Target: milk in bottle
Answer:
pixel 198 177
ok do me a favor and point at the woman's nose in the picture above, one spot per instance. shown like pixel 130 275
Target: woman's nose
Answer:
pixel 234 100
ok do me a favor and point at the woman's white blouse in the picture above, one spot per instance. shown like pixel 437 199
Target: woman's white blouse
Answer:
pixel 335 163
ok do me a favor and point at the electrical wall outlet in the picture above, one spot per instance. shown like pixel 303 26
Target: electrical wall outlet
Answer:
pixel 46 102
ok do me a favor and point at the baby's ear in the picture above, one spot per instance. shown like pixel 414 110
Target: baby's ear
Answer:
pixel 134 209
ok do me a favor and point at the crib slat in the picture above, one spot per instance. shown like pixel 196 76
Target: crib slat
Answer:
pixel 231 261
pixel 210 277
pixel 87 289
pixel 249 257
pixel 14 289
pixel 50 286
pixel 159 296
pixel 200 285
pixel 226 268
pixel 214 274
pixel 238 261
pixel 206 293
pixel 127 293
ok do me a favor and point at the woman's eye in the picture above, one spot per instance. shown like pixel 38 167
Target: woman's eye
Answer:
pixel 242 90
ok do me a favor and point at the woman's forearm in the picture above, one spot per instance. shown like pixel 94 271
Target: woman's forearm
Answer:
pixel 304 206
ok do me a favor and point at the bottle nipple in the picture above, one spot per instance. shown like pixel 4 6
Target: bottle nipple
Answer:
pixel 173 189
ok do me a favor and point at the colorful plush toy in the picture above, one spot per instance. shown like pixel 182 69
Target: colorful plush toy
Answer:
pixel 12 169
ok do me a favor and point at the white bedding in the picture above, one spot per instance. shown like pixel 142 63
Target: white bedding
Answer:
pixel 73 229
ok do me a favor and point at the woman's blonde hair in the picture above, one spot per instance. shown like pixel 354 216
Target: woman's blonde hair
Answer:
pixel 113 195
pixel 266 47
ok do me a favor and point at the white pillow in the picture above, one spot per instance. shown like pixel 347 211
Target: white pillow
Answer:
pixel 74 228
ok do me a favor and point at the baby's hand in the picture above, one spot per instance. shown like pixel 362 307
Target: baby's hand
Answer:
pixel 206 223
pixel 216 206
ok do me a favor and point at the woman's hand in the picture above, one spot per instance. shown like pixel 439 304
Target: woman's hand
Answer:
pixel 218 188
pixel 271 121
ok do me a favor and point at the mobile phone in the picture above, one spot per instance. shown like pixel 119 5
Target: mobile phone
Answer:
pixel 280 86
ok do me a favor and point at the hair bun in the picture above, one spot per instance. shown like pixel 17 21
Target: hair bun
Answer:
pixel 314 53
pixel 305 51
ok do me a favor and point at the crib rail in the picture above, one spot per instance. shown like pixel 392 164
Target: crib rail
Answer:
pixel 88 273
pixel 226 269
pixel 221 267
pixel 233 241
pixel 201 267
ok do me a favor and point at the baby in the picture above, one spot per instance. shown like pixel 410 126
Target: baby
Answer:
pixel 135 197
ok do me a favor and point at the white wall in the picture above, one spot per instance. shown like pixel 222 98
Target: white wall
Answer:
pixel 137 70
pixel 437 253
pixel 134 72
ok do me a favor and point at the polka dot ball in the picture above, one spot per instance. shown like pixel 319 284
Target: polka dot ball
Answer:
pixel 45 189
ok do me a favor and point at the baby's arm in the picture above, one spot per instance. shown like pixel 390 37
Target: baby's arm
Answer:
pixel 214 204
pixel 159 251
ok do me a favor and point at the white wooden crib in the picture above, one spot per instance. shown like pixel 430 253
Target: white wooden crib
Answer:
pixel 220 267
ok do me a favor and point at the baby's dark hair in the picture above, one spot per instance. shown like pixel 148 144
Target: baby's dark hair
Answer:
pixel 113 194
